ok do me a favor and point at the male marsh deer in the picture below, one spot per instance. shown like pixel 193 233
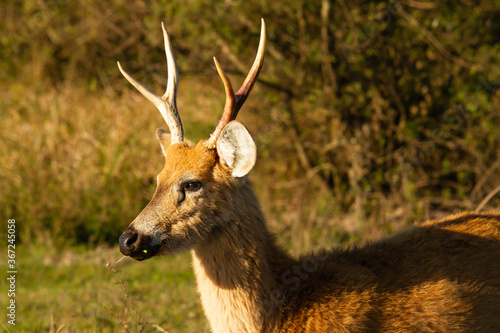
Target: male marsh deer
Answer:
pixel 441 276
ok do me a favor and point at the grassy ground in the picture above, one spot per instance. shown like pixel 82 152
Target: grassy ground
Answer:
pixel 76 291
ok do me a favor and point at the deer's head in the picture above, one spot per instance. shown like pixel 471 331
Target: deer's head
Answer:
pixel 196 185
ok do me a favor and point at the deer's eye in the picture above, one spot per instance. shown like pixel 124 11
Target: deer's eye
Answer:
pixel 192 186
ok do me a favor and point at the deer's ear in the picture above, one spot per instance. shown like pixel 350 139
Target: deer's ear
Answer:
pixel 237 149
pixel 164 138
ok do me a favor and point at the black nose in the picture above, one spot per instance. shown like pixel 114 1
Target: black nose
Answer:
pixel 128 242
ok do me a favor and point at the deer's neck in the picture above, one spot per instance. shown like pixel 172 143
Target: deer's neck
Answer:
pixel 238 272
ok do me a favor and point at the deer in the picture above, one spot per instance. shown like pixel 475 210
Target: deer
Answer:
pixel 437 276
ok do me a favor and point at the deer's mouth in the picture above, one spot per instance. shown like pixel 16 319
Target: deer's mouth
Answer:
pixel 145 253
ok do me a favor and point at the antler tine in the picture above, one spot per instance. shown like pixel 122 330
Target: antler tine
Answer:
pixel 231 100
pixel 235 101
pixel 166 104
pixel 247 85
pixel 171 92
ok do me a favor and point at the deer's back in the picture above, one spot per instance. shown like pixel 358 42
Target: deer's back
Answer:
pixel 442 276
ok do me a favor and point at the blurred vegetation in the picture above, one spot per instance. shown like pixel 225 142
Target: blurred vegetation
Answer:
pixel 368 115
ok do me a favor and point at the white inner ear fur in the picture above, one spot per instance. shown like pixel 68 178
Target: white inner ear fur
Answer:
pixel 237 149
pixel 164 138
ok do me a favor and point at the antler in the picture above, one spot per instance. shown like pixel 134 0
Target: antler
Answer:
pixel 235 101
pixel 166 104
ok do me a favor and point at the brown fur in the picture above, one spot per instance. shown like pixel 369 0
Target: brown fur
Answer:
pixel 442 276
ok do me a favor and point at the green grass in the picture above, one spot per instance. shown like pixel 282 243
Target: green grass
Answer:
pixel 76 291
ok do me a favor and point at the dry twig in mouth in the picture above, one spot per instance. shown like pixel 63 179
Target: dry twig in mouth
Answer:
pixel 120 259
